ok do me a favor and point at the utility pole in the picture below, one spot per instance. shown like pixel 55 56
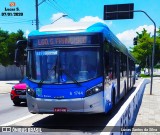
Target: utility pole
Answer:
pixel 37 21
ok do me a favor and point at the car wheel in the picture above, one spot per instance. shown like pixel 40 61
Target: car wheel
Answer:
pixel 16 103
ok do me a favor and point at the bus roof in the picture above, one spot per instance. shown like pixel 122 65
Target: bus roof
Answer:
pixel 87 27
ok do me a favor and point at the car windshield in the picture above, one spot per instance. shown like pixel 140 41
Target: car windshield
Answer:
pixel 64 65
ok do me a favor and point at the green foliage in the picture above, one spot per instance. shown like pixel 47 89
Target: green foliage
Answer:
pixel 8 45
pixel 157 66
pixel 143 50
pixel 157 48
pixel 144 76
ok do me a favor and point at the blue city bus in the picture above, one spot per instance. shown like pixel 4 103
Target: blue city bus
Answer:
pixel 77 71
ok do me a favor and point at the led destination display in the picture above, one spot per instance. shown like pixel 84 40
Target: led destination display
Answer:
pixel 66 40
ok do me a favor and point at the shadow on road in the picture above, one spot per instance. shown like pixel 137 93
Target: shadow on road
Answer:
pixel 12 83
pixel 23 104
pixel 72 122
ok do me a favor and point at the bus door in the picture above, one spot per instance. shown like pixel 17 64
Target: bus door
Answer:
pixel 129 73
pixel 118 73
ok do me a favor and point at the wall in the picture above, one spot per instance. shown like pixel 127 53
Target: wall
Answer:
pixel 10 73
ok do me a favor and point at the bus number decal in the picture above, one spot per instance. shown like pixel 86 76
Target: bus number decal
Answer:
pixel 78 93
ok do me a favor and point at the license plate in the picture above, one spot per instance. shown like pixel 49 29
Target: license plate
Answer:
pixel 60 109
pixel 22 96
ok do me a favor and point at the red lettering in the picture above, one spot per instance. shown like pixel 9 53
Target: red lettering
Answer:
pixel 62 40
pixel 84 39
pixel 66 41
pixel 57 41
pixel 43 42
pixel 51 41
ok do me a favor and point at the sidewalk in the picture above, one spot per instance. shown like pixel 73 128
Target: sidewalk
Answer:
pixel 149 112
pixel 6 86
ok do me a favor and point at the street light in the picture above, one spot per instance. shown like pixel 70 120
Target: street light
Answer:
pixel 64 15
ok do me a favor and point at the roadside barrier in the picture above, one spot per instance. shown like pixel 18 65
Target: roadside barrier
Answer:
pixel 122 123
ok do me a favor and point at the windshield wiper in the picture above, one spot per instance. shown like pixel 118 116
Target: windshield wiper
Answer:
pixel 70 76
pixel 51 70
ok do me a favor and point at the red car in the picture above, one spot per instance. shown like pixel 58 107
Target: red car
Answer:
pixel 18 93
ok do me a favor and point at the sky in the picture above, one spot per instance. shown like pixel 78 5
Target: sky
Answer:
pixel 78 11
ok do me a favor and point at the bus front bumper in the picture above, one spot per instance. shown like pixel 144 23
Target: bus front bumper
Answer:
pixel 91 104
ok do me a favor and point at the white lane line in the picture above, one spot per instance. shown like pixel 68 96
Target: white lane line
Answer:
pixel 18 120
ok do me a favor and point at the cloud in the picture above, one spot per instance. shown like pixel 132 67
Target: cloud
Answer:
pixel 26 33
pixel 59 19
pixel 94 19
pixel 64 23
pixel 127 36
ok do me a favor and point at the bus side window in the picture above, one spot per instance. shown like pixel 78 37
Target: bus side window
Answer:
pixel 111 74
pixel 123 65
pixel 114 64
pixel 108 60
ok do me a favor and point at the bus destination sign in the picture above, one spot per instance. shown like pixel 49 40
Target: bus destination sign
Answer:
pixel 67 40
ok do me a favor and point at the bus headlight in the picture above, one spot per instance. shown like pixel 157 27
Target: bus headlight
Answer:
pixel 31 92
pixel 94 90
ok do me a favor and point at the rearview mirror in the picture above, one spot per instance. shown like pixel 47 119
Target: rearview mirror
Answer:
pixel 20 52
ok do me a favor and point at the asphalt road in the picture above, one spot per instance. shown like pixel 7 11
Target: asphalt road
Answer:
pixel 9 112
pixel 11 115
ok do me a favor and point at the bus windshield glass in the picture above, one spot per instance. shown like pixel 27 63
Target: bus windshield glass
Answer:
pixel 67 65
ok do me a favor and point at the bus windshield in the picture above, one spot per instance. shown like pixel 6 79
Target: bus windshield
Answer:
pixel 67 65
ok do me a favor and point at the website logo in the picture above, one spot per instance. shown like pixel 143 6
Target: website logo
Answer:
pixel 6 129
pixel 12 4
pixel 12 10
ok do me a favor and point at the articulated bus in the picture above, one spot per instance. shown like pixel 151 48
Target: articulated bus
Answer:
pixel 77 71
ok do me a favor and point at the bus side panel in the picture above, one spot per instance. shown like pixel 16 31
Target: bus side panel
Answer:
pixel 118 88
pixel 127 74
pixel 108 94
pixel 123 75
pixel 122 86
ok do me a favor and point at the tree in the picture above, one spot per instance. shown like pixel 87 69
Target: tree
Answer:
pixel 11 43
pixel 143 50
pixel 8 45
pixel 4 35
pixel 157 48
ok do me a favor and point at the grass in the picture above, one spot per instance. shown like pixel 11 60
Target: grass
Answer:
pixel 144 76
pixel 147 76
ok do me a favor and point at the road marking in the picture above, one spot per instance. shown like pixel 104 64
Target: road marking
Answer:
pixel 18 120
